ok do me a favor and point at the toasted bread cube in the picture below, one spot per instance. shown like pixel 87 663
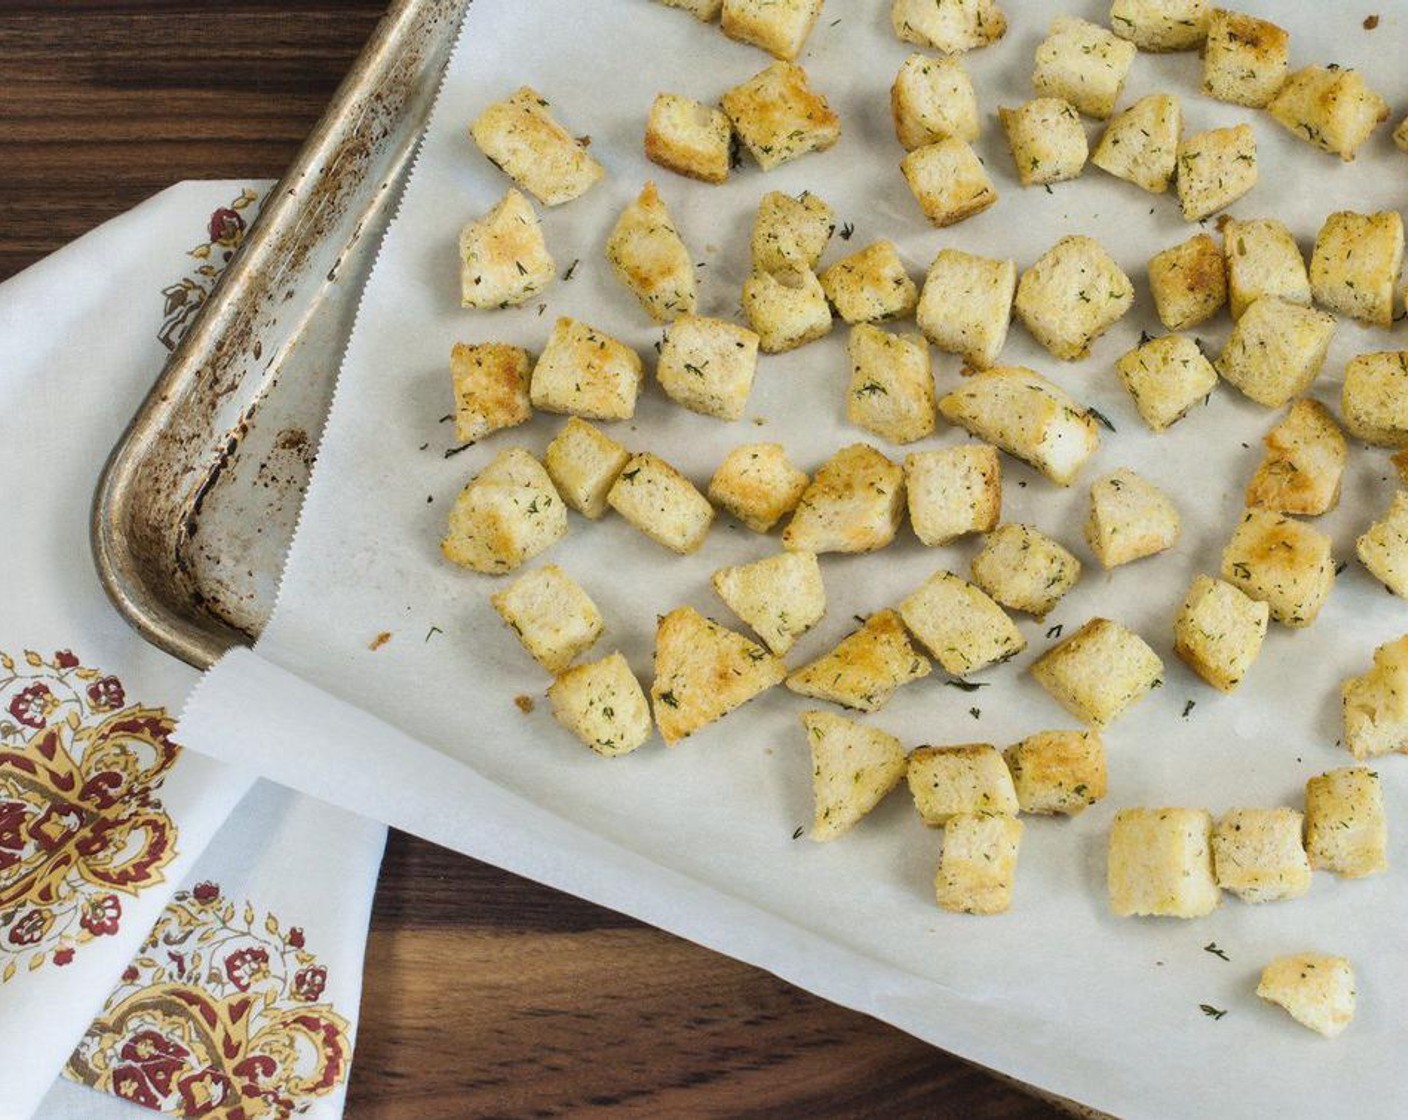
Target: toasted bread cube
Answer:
pixel 1047 140
pixel 961 25
pixel 1130 518
pixel 1345 829
pixel 866 668
pixel 757 484
pixel 780 597
pixel 1244 59
pixel 1071 296
pixel 779 117
pixel 1189 282
pixel 870 286
pixel 1160 863
pixel 1374 401
pixel 853 768
pixel 661 503
pixel 1383 548
pixel 649 257
pixel 1099 671
pixel 1166 377
pixel 1400 135
pixel 521 139
pixel 791 233
pixel 1024 569
pixel 1219 631
pixel 952 491
pixel 1263 260
pixel 962 628
pixel 504 260
pixel 1215 168
pixel 1330 108
pixel 585 372
pixel 1019 411
pixel 553 617
pixel 688 137
pixel 708 365
pixel 601 703
pixel 950 781
pixel 1317 990
pixel 1257 854
pixel 1282 562
pixel 786 308
pixel 1356 265
pixel 1400 464
pixel 1161 25
pixel 507 514
pixel 853 504
pixel 948 180
pixel 491 388
pixel 1276 350
pixel 706 11
pixel 966 306
pixel 978 863
pixel 1058 771
pixel 932 99
pixel 1083 63
pixel 1305 460
pixel 1140 145
pixel 583 463
pixel 892 384
pixel 780 27
pixel 1376 704
pixel 703 671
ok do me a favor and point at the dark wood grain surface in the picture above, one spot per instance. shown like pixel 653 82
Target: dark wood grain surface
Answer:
pixel 485 995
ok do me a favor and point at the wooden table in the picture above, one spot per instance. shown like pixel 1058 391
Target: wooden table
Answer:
pixel 485 994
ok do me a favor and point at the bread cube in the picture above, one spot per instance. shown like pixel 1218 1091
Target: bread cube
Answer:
pixel 892 384
pixel 791 233
pixel 1019 411
pixel 1083 63
pixel 932 99
pixel 966 306
pixel 1282 562
pixel 1305 460
pixel 1400 135
pixel 757 484
pixel 703 671
pixel 778 116
pixel 601 703
pixel 649 257
pixel 1317 990
pixel 1276 350
pixel 978 863
pixel 1140 145
pixel 507 514
pixel 870 286
pixel 954 27
pixel 853 768
pixel 1263 260
pixel 866 668
pixel 1376 704
pixel 1215 168
pixel 1160 864
pixel 1356 265
pixel 853 504
pixel 1099 671
pixel 1244 59
pixel 1330 108
pixel 1130 518
pixel 780 27
pixel 585 372
pixel 952 491
pixel 780 597
pixel 1258 856
pixel 1383 548
pixel 553 617
pixel 504 260
pixel 705 11
pixel 1047 140
pixel 950 781
pixel 1058 771
pixel 583 462
pixel 689 138
pixel 1345 829
pixel 521 139
pixel 1166 377
pixel 962 628
pixel 948 180
pixel 786 308
pixel 1189 282
pixel 490 382
pixel 1161 25
pixel 707 365
pixel 1374 401
pixel 1219 631
pixel 661 503
pixel 1024 569
pixel 1071 296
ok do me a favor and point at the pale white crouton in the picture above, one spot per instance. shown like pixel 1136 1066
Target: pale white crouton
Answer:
pixel 1317 990
pixel 521 139
pixel 1130 518
pixel 892 384
pixel 1263 259
pixel 866 668
pixel 1376 704
pixel 649 257
pixel 490 382
pixel 853 504
pixel 708 365
pixel 932 99
pixel 1219 631
pixel 780 597
pixel 1345 829
pixel 1166 377
pixel 1072 295
pixel 1374 401
pixel 786 308
pixel 507 514
pixel 1161 25
pixel 704 10
pixel 1305 459
pixel 601 703
pixel 583 462
pixel 661 503
pixel 966 306
pixel 1024 569
pixel 1099 671
pixel 978 863
pixel 1330 108
pixel 1140 145
pixel 791 232
pixel 1276 350
pixel 853 768
pixel 948 180
pixel 1282 562
pixel 870 286
pixel 1047 140
pixel 1084 64
pixel 688 137
pixel 1160 863
pixel 585 372
pixel 1058 771
pixel 780 27
pixel 757 484
pixel 970 778
pixel 1189 282
pixel 1257 854
pixel 1356 265
pixel 953 27
pixel 703 671
pixel 952 491
pixel 1019 411
pixel 1215 168
pixel 962 628
pixel 553 617
pixel 778 116
pixel 1244 59
pixel 1383 548
pixel 504 259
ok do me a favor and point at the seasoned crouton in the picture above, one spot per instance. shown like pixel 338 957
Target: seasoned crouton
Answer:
pixel 1317 990
pixel 688 137
pixel 1284 563
pixel 1071 296
pixel 504 260
pixel 705 11
pixel 757 484
pixel 948 781
pixel 948 180
pixel 780 27
pixel 1058 771
pixel 521 139
pixel 1330 108
pixel 962 628
pixel 1047 140
pixel 1276 350
pixel 1305 460
pixel 1161 25
pixel 853 504
pixel 1400 135
pixel 1356 265
pixel 780 597
pixel 507 514
pixel 791 233
pixel 1245 59
pixel 1140 145
pixel 932 99
pixel 586 372
pixel 1383 548
pixel 1215 168
pixel 1160 863
pixel 1099 671
pixel 1024 569
pixel 786 308
pixel 1166 377
pixel 490 381
pixel 853 768
pixel 952 491
pixel 553 617
pixel 1374 401
pixel 1345 830
pixel 583 462
pixel 954 27
pixel 661 503
pixel 601 703
pixel 870 286
pixel 1130 518
pixel 1083 63
pixel 649 257
pixel 779 117
pixel 1376 704
pixel 1263 260
pixel 708 365
pixel 892 384
pixel 1189 282
pixel 1257 854
pixel 866 668
pixel 978 863
pixel 966 306
pixel 1219 631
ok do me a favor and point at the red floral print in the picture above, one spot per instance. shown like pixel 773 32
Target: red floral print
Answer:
pixel 32 706
pixel 65 659
pixel 101 915
pixel 244 966
pixel 106 695
pixel 308 983
pixel 63 956
pixel 226 226
pixel 31 928
pixel 206 892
